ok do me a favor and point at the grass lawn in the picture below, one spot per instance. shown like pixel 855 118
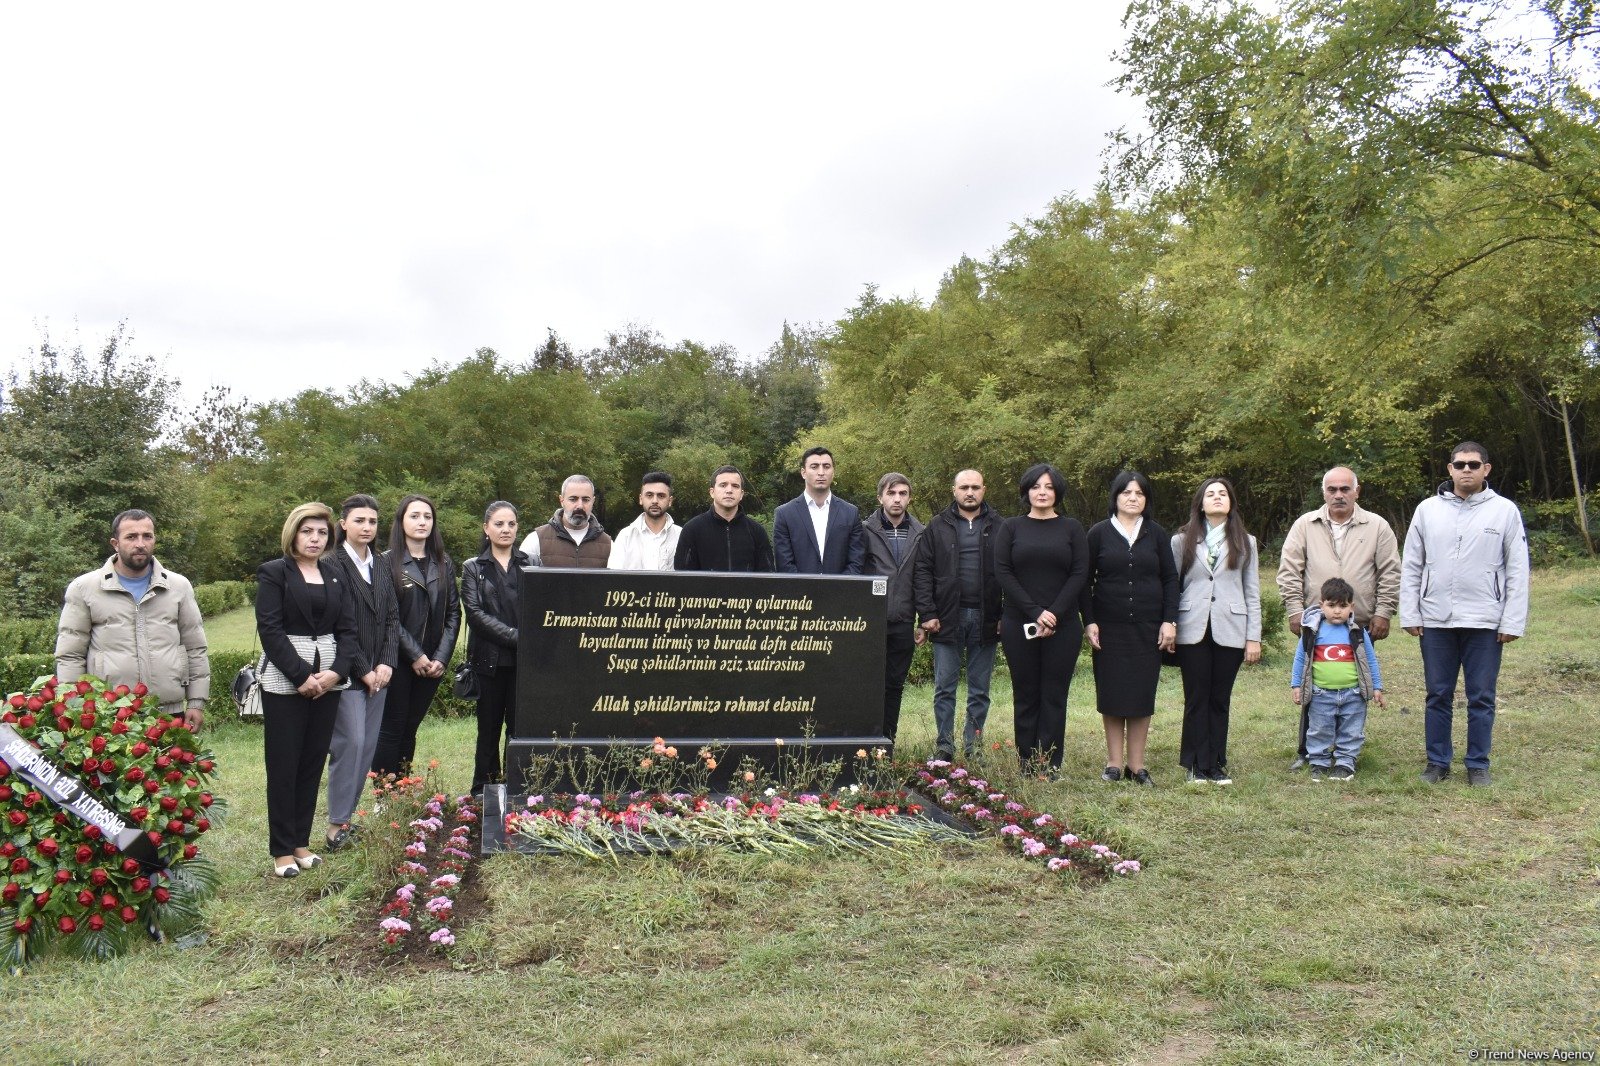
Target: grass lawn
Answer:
pixel 1277 920
pixel 233 630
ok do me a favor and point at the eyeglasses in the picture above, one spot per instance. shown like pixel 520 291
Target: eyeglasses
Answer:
pixel 1466 464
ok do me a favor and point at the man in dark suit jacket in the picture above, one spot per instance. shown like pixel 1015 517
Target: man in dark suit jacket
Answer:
pixel 816 532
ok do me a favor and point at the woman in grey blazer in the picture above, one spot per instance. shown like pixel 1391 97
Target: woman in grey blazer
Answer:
pixel 1219 623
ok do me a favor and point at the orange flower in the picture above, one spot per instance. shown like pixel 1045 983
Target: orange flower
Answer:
pixel 433 764
pixel 645 763
pixel 861 753
pixel 749 775
pixel 671 752
pixel 711 764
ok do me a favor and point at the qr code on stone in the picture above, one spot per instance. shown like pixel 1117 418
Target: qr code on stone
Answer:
pixel 880 587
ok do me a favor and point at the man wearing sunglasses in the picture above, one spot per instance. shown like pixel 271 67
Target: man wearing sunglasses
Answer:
pixel 1464 591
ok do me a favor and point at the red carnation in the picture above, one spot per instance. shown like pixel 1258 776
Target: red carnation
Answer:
pixel 96 922
pixel 18 700
pixel 10 893
pixel 88 705
pixel 187 814
pixel 134 774
pixel 26 721
pixel 152 786
pixel 206 766
pixel 9 718
pixel 108 766
pixel 141 884
pixel 83 853
pixel 185 757
pixel 90 765
pixel 83 688
pixel 124 713
pixel 98 877
pixel 5 792
pixel 205 799
pixel 162 762
pixel 42 899
pixel 108 848
pixel 139 689
pixel 67 925
pixel 154 837
pixel 191 782
pixel 97 745
pixel 19 865
pixel 64 724
pixel 60 818
pixel 162 895
pixel 87 719
pixel 31 798
pixel 154 732
pixel 22 925
pixel 175 826
pixel 130 866
pixel 86 898
pixel 139 749
pixel 129 915
pixel 17 818
pixel 174 775
pixel 36 704
pixel 139 814
pixel 119 728
pixel 108 902
pixel 63 876
pixel 190 851
pixel 121 690
pixel 4 769
pixel 92 832
pixel 49 847
pixel 8 849
pixel 168 803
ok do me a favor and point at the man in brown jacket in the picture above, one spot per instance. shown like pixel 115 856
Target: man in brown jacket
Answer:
pixel 1339 539
pixel 574 537
pixel 135 621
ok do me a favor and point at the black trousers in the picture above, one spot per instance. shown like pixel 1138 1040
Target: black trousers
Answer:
pixel 497 701
pixel 295 733
pixel 1209 670
pixel 896 665
pixel 408 702
pixel 1041 680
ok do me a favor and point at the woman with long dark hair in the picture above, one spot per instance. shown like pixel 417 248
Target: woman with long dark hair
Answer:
pixel 1219 623
pixel 305 617
pixel 489 599
pixel 377 621
pixel 430 613
pixel 1041 559
pixel 1130 613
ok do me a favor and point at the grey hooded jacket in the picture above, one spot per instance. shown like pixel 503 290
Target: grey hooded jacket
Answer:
pixel 1465 564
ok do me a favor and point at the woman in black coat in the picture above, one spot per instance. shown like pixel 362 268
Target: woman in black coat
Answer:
pixel 1130 614
pixel 1041 560
pixel 430 614
pixel 305 617
pixel 489 600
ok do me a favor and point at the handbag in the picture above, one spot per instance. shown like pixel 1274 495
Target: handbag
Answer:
pixel 466 682
pixel 246 690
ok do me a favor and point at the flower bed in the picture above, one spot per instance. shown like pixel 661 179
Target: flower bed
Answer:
pixel 437 860
pixel 1035 835
pixel 63 878
pixel 609 826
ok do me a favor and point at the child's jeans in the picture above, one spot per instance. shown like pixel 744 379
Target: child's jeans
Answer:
pixel 1336 726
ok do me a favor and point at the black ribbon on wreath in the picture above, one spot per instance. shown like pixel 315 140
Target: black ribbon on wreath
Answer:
pixel 68 792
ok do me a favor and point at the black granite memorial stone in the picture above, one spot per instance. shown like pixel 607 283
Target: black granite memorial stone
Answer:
pixel 739 660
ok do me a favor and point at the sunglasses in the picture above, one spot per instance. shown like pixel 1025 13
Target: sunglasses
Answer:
pixel 1466 464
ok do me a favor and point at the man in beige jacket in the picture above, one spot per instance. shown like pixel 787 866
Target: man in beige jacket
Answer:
pixel 1339 539
pixel 135 621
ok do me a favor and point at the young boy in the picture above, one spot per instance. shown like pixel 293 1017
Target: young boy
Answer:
pixel 1344 676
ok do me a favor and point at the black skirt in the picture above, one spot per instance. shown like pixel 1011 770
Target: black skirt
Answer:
pixel 1127 668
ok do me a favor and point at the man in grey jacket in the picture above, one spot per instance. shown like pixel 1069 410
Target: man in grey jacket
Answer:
pixel 1464 591
pixel 135 621
pixel 891 534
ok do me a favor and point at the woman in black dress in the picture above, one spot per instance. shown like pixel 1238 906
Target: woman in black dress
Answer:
pixel 489 600
pixel 1041 559
pixel 430 613
pixel 1130 614
pixel 305 617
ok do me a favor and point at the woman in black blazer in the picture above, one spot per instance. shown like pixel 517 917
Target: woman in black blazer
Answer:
pixel 377 621
pixel 430 613
pixel 1041 559
pixel 1130 615
pixel 489 601
pixel 305 617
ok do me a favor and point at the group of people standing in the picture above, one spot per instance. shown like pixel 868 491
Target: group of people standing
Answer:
pixel 356 643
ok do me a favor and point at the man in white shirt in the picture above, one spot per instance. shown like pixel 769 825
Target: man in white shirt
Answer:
pixel 651 541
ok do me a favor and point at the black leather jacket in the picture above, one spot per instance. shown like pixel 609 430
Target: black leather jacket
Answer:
pixel 489 599
pixel 428 624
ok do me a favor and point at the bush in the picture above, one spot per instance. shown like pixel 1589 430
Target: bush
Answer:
pixel 220 597
pixel 19 672
pixel 28 636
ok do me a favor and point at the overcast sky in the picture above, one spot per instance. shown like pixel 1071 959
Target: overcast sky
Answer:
pixel 290 196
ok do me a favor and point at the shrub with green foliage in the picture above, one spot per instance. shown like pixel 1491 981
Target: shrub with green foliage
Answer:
pixel 219 597
pixel 28 636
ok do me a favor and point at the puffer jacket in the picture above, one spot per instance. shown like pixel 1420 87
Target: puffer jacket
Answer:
pixel 159 641
pixel 1465 564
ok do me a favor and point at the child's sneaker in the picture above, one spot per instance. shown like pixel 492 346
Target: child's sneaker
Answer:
pixel 1342 773
pixel 1319 773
